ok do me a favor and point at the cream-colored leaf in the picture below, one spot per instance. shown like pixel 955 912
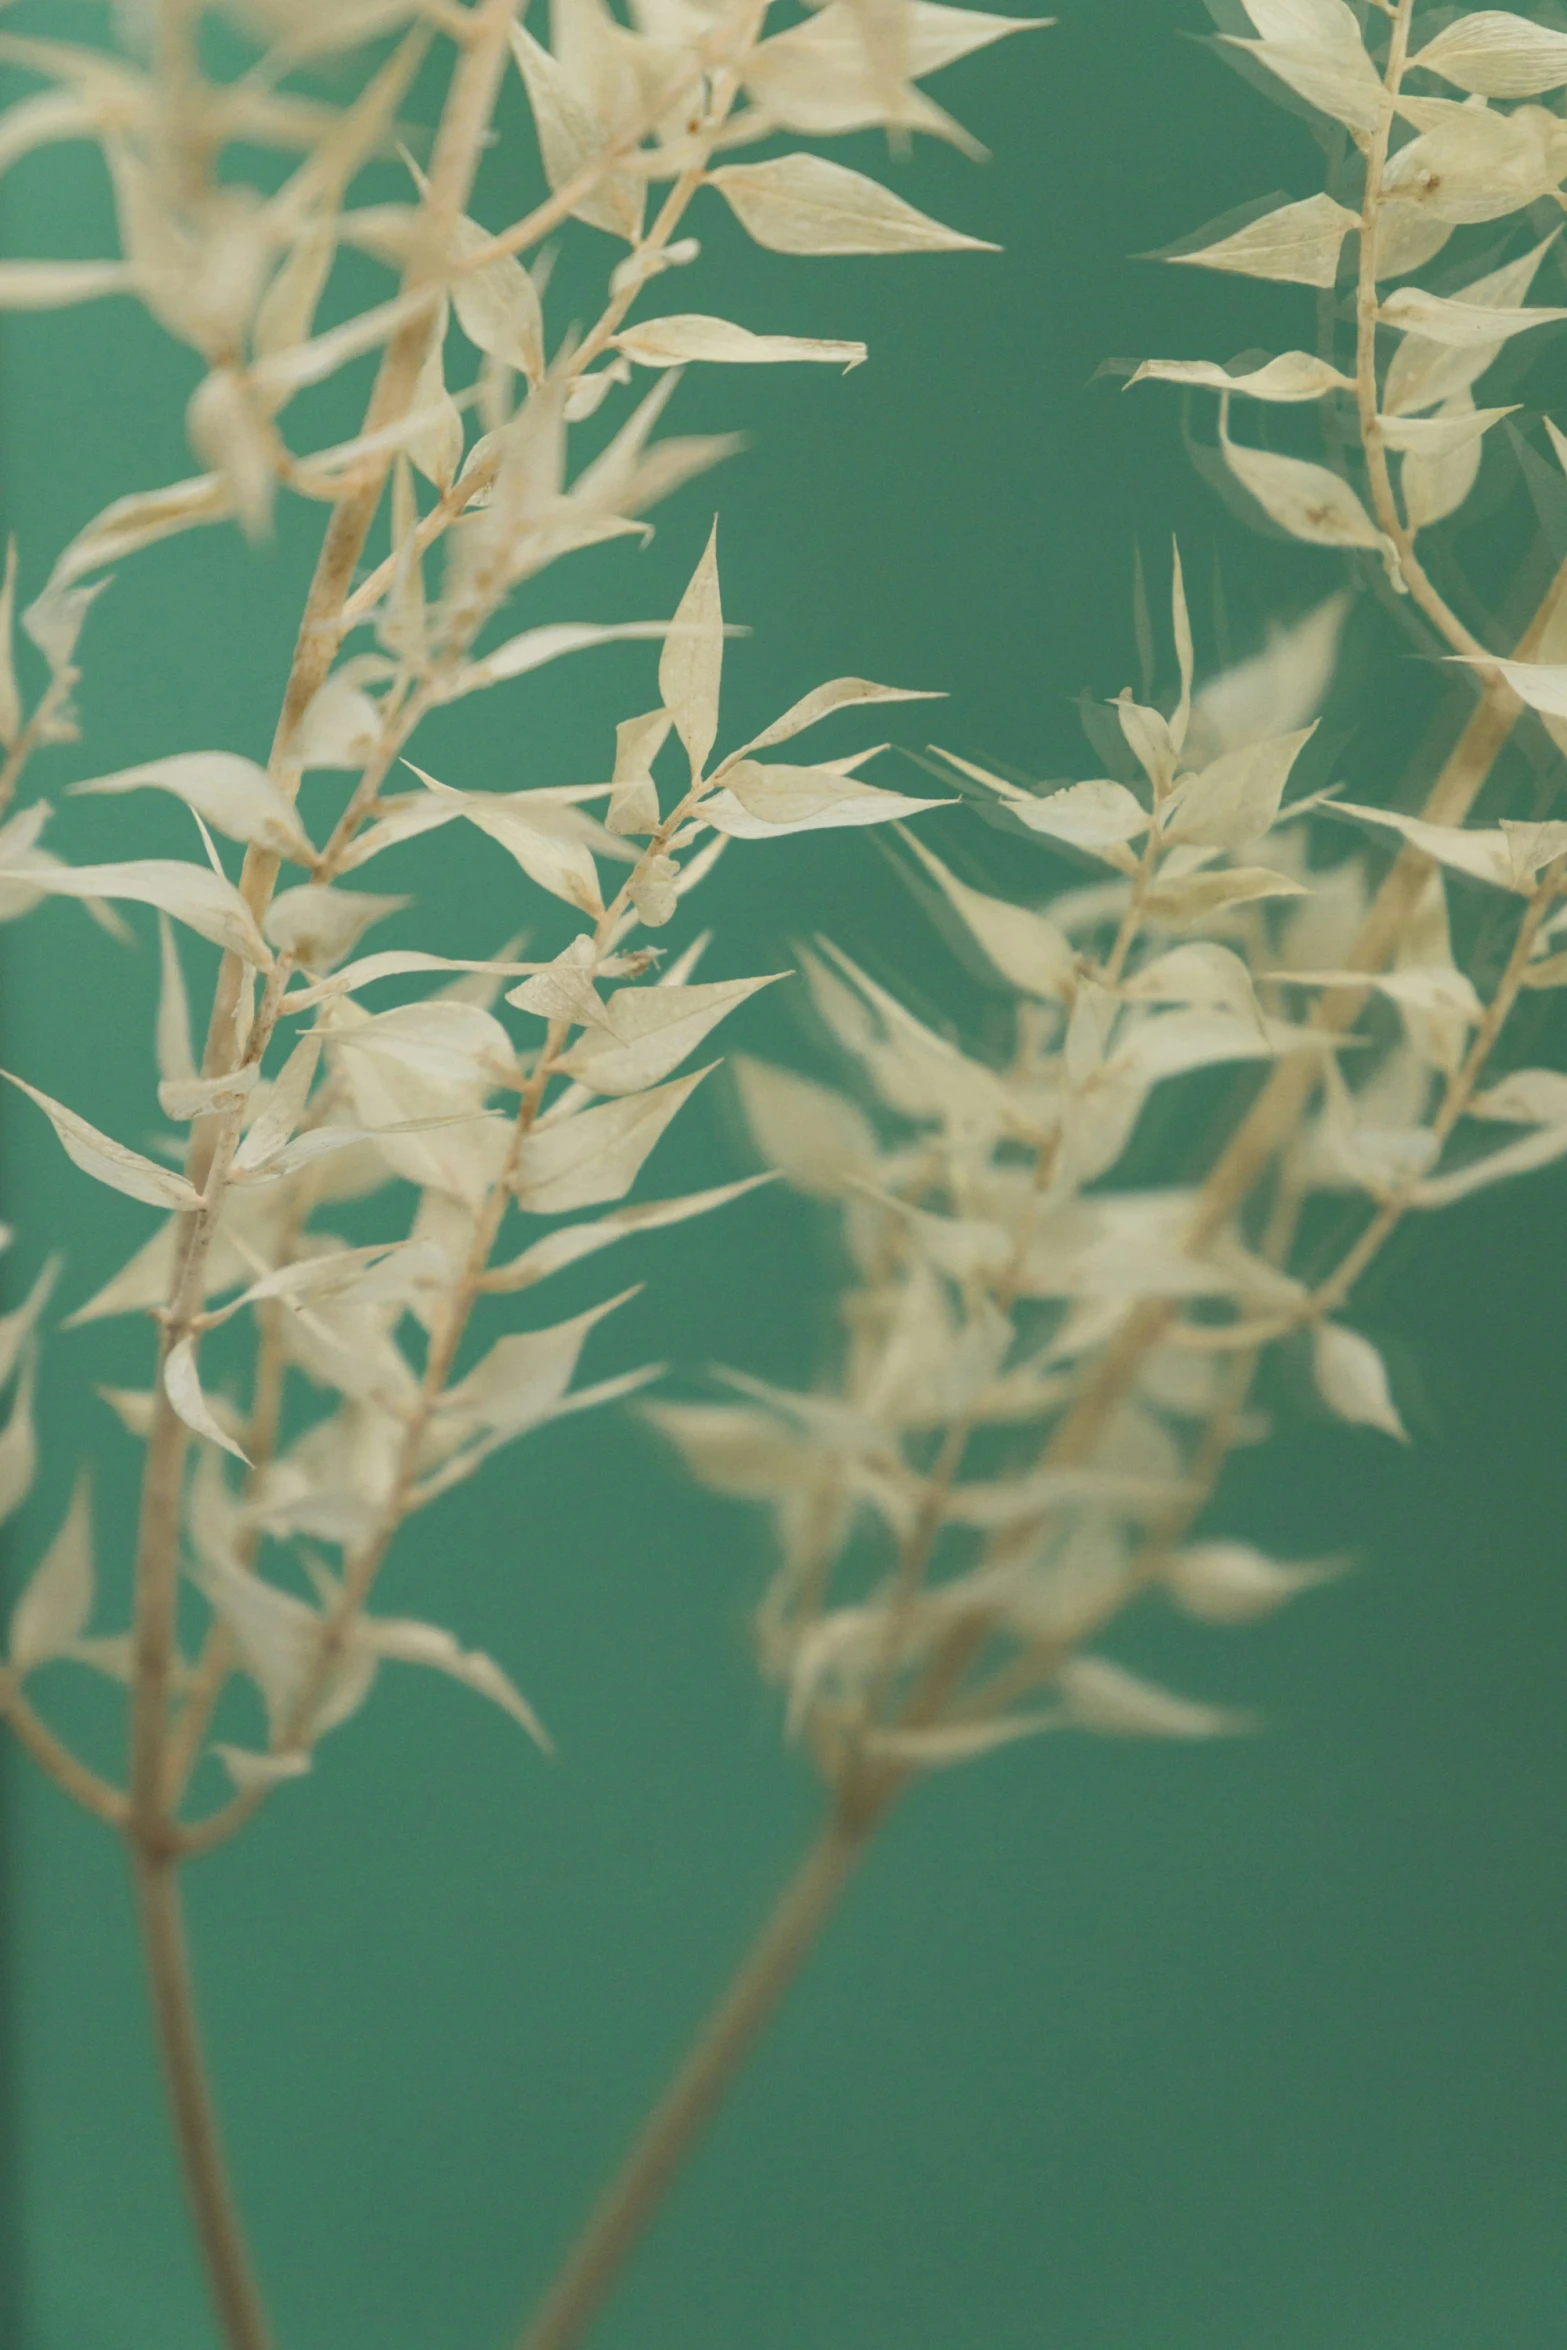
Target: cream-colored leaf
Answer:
pixel 52 285
pixel 1307 500
pixel 1192 897
pixel 1462 325
pixel 254 1773
pixel 410 1643
pixel 1297 243
pixel 1422 372
pixel 233 794
pixel 497 306
pixel 596 1155
pixel 840 693
pixel 108 1161
pixel 1352 1380
pixel 1294 375
pixel 817 1141
pixel 1542 684
pixel 1495 54
pixel 571 137
pixel 535 646
pixel 1483 854
pixel 804 204
pixel 575 1241
pixel 19 1444
pixel 523 1380
pixel 182 1386
pixel 1233 1583
pixel 141 520
pixel 1434 481
pixel 1025 947
pixel 679 340
pixel 649 1031
pixel 690 668
pixel 1540 1149
pixel 1457 423
pixel 766 802
pixel 318 926
pixel 1525 1097
pixel 1340 81
pixel 193 894
pixel 1099 816
pixel 957 1742
pixel 1101 1696
pixel 52 1613
pixel 1231 804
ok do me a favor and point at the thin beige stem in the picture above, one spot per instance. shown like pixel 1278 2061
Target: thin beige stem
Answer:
pixel 53 1756
pixel 623 2212
pixel 229 2275
pixel 1384 504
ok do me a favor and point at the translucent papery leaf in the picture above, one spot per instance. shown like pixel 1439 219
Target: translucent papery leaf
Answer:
pixel 1098 1695
pixel 1525 1097
pixel 1542 684
pixel 804 204
pixel 277 378
pixel 1483 854
pixel 19 1444
pixel 192 894
pixel 959 1742
pixel 1462 325
pixel 409 1643
pixel 649 1031
pixel 913 1070
pixel 233 794
pixel 395 963
pixel 570 137
pixel 17 1327
pixel 1197 973
pixel 319 926
pixel 536 646
pixel 1233 1583
pixel 182 1386
pixel 52 1612
pixel 453 1044
pixel 1182 898
pixel 108 1161
pixel 1496 54
pixel 497 306
pixel 575 1241
pixel 1423 372
pixel 1307 501
pixel 1455 427
pixel 1167 1044
pixel 1298 244
pixel 543 838
pixel 1025 947
pixel 1276 691
pixel 1339 81
pixel 1471 165
pixel 128 524
pixel 1540 1149
pixel 522 1381
pixel 595 1156
pixel 1136 1244
pixel 677 341
pixel 1099 816
pixel 840 693
pixel 54 285
pixel 818 1142
pixel 283 1109
pixel 276 1636
pixel 1295 375
pixel 767 802
pixel 690 669
pixel 1352 1379
pixel 1233 803
pixel 341 726
pixel 253 1773
pixel 738 1450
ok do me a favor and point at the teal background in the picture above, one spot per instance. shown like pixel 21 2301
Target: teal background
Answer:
pixel 1112 2047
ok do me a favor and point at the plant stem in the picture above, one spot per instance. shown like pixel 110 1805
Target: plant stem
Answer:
pixel 213 2211
pixel 688 2104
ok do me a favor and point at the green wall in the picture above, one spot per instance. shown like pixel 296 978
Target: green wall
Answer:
pixel 1113 2048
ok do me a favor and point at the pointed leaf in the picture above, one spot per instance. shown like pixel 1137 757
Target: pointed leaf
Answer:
pixel 233 794
pixel 677 341
pixel 596 1155
pixel 51 1615
pixel 1352 1380
pixel 182 1386
pixel 804 204
pixel 650 1030
pixel 108 1161
pixel 691 666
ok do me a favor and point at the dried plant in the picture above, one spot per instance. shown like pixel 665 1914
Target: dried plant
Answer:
pixel 303 1098
pixel 1045 1363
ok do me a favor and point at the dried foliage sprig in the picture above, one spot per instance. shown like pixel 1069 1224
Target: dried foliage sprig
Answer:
pixel 1045 1365
pixel 302 1098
